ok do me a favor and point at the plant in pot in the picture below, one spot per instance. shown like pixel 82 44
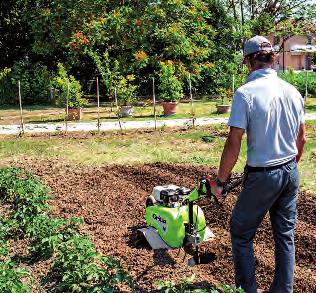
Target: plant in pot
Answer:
pixel 225 96
pixel 126 93
pixel 170 88
pixel 68 86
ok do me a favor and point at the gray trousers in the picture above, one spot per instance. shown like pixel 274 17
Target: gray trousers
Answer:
pixel 274 191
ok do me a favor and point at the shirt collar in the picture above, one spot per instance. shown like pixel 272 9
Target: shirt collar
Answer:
pixel 261 73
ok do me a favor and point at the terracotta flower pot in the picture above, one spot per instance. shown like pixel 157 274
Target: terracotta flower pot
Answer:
pixel 74 114
pixel 169 108
pixel 126 111
pixel 221 109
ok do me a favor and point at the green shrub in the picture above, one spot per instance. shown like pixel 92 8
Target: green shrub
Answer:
pixel 170 87
pixel 298 79
pixel 8 91
pixel 220 74
pixel 35 83
pixel 126 91
pixel 67 85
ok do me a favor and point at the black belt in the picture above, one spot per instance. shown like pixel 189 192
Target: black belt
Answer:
pixel 269 168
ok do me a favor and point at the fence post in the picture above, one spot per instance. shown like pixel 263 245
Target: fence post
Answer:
pixel 98 101
pixel 154 100
pixel 306 89
pixel 67 107
pixel 51 94
pixel 21 110
pixel 191 101
pixel 117 109
pixel 233 84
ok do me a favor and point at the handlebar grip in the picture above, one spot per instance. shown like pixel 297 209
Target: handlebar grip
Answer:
pixel 230 186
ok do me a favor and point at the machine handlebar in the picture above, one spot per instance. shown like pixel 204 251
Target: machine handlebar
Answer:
pixel 231 185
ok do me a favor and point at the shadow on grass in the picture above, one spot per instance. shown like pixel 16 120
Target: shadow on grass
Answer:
pixel 30 107
pixel 47 121
pixel 311 108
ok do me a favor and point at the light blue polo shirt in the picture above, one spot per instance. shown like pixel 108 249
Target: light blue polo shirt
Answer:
pixel 271 111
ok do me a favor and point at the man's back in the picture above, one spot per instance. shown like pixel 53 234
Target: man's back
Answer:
pixel 270 110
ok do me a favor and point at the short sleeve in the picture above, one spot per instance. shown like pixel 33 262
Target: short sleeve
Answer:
pixel 239 116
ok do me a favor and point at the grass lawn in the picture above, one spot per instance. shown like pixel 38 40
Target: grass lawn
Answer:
pixel 47 114
pixel 199 146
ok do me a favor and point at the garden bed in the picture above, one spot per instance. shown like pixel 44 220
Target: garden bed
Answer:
pixel 111 201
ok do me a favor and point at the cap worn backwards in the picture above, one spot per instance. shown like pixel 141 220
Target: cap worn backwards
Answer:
pixel 257 44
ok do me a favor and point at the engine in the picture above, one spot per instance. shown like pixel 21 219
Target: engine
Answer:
pixel 170 195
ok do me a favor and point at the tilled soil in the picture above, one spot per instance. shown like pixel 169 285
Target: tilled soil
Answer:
pixel 111 201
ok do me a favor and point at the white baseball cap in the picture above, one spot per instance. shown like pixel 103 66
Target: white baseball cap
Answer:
pixel 257 44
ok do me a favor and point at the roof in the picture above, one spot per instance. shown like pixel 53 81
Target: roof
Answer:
pixel 303 48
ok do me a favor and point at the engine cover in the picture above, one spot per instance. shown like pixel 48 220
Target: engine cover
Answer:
pixel 158 189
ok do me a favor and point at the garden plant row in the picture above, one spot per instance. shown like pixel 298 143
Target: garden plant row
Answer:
pixel 76 266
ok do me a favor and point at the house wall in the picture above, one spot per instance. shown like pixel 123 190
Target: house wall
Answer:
pixel 297 60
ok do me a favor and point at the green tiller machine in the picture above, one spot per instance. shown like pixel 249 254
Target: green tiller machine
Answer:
pixel 175 220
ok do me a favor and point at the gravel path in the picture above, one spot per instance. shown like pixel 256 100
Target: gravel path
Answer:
pixel 107 126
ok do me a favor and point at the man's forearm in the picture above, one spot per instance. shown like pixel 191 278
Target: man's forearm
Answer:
pixel 300 148
pixel 229 158
pixel 300 142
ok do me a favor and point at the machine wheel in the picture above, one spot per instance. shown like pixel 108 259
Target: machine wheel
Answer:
pixel 150 201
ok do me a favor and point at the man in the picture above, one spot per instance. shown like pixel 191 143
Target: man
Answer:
pixel 271 112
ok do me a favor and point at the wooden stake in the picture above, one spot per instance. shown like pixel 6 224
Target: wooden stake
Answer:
pixel 21 110
pixel 98 101
pixel 67 107
pixel 51 94
pixel 306 88
pixel 154 101
pixel 117 109
pixel 191 100
pixel 233 84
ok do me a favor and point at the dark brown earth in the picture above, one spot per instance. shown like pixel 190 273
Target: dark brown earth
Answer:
pixel 111 201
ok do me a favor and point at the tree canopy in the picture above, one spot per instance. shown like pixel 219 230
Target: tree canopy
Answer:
pixel 200 38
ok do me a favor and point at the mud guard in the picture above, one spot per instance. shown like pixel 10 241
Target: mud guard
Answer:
pixel 155 241
pixel 153 238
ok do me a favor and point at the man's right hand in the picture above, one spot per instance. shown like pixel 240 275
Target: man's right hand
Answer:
pixel 217 191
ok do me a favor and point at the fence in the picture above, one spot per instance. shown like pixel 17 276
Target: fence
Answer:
pixel 100 111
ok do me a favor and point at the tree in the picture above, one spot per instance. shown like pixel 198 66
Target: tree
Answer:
pixel 141 34
pixel 15 32
pixel 265 16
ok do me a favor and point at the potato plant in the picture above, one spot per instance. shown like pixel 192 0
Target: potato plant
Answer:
pixel 77 265
pixel 47 234
pixel 183 287
pixel 26 196
pixel 82 269
pixel 11 278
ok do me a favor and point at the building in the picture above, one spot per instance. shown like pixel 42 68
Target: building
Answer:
pixel 297 54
